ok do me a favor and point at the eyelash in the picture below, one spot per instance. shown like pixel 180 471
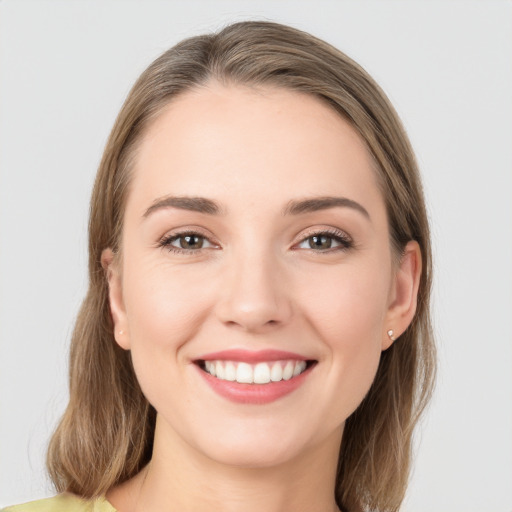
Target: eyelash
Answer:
pixel 336 235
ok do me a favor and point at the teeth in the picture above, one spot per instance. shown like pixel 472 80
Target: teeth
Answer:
pixel 244 373
pixel 300 366
pixel 230 371
pixel 261 373
pixel 219 370
pixel 210 367
pixel 276 374
pixel 288 370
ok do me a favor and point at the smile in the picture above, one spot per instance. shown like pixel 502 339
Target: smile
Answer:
pixel 260 373
pixel 248 377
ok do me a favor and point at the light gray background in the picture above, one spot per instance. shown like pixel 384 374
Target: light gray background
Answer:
pixel 66 67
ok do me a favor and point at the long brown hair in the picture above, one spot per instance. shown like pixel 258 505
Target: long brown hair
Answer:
pixel 106 434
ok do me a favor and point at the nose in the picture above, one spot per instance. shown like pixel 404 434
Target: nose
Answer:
pixel 255 296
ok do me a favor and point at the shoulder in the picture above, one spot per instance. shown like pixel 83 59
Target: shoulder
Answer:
pixel 63 503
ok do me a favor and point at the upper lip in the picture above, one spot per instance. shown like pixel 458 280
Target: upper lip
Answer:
pixel 249 356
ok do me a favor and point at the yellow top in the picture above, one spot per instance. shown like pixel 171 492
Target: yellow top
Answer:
pixel 63 503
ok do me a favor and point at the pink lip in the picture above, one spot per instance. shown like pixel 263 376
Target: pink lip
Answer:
pixel 248 356
pixel 253 393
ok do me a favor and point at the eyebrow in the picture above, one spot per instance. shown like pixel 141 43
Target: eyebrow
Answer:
pixel 294 207
pixel 194 204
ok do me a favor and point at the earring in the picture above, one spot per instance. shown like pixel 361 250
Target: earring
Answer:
pixel 391 334
pixel 121 333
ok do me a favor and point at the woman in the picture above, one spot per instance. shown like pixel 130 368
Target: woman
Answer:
pixel 256 333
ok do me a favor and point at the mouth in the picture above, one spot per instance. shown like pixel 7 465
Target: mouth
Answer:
pixel 249 377
pixel 263 372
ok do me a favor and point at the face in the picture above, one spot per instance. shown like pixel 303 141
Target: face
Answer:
pixel 256 283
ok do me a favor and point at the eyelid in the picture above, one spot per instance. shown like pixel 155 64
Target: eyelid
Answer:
pixel 343 237
pixel 165 241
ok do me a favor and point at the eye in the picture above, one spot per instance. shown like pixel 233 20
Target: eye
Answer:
pixel 186 242
pixel 326 241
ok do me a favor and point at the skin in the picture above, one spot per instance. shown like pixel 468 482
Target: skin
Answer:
pixel 257 283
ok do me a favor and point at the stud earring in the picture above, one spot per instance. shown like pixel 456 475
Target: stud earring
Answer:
pixel 391 335
pixel 121 333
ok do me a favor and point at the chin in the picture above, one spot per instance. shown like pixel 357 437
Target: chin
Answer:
pixel 259 448
pixel 253 455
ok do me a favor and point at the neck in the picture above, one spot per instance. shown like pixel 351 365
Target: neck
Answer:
pixel 179 478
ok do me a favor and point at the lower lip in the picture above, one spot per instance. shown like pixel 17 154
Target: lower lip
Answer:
pixel 254 393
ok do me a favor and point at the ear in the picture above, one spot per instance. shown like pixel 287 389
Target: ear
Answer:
pixel 403 294
pixel 115 296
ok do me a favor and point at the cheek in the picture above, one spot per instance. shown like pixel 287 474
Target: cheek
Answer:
pixel 164 306
pixel 349 306
pixel 165 310
pixel 348 316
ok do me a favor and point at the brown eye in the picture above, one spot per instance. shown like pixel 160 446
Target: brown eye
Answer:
pixel 326 242
pixel 186 242
pixel 320 242
pixel 190 241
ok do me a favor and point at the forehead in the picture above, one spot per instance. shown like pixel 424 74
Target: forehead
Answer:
pixel 254 144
